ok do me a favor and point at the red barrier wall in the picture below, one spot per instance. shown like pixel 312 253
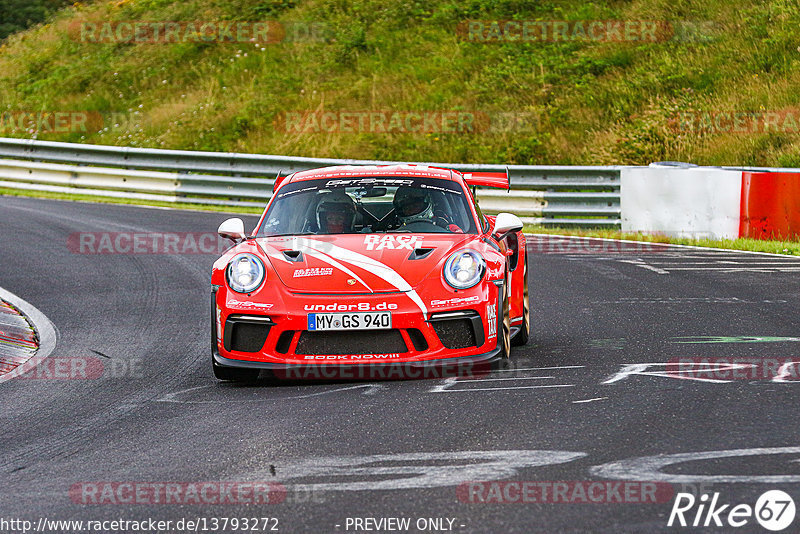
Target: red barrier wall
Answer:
pixel 770 205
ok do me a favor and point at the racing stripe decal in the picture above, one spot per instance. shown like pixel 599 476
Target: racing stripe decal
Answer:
pixel 330 261
pixel 365 262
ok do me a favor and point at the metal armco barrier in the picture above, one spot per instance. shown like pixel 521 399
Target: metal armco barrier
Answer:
pixel 549 195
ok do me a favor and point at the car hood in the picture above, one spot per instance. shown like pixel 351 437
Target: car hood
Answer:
pixel 358 263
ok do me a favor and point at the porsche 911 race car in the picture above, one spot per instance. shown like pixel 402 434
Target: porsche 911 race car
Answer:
pixel 370 266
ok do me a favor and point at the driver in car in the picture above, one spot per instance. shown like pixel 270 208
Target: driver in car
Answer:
pixel 414 207
pixel 335 213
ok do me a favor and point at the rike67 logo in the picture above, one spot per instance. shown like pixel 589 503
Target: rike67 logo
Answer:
pixel 774 510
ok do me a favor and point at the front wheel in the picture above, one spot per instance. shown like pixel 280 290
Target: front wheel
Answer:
pixel 522 336
pixel 503 336
pixel 504 330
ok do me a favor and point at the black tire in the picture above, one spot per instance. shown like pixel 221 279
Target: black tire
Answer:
pixel 503 361
pixel 504 328
pixel 523 334
pixel 234 374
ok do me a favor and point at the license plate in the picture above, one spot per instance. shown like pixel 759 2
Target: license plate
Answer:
pixel 350 321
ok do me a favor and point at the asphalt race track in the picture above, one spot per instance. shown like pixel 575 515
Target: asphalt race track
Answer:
pixel 596 395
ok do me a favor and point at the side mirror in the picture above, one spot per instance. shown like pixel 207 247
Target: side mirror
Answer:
pixel 232 229
pixel 506 223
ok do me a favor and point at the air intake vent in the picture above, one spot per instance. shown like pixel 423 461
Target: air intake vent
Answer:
pixel 420 253
pixel 246 334
pixel 458 330
pixel 282 346
pixel 417 339
pixel 293 255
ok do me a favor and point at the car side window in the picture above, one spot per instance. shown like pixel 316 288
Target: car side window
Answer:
pixel 484 223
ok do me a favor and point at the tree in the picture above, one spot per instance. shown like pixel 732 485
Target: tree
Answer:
pixel 17 15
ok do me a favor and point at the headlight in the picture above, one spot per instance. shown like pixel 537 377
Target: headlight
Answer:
pixel 245 273
pixel 464 269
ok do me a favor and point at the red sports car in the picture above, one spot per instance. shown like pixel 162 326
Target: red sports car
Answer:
pixel 363 267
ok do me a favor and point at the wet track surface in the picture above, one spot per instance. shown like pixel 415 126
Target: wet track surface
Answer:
pixel 597 389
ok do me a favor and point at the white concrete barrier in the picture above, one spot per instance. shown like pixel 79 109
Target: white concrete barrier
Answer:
pixel 681 202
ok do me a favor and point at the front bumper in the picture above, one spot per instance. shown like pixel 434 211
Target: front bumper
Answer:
pixel 465 366
pixel 465 336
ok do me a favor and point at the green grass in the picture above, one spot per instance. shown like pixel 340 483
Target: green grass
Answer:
pixel 787 247
pixel 586 102
pixel 583 102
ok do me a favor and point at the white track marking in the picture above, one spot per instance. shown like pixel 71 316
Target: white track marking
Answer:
pixel 467 380
pixel 643 265
pixel 467 390
pixel 666 245
pixel 739 269
pixel 539 368
pixel 642 369
pixel 407 470
pixel 784 373
pixel 733 263
pixel 173 397
pixel 712 259
pixel 649 468
pixel 589 400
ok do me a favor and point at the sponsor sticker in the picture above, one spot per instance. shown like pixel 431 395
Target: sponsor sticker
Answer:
pixel 351 356
pixel 491 314
pixel 349 321
pixel 256 305
pixel 455 301
pixel 356 306
pixel 313 271
pixel 392 242
pixel 368 181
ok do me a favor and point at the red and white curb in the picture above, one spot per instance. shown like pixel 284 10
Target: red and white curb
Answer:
pixel 26 336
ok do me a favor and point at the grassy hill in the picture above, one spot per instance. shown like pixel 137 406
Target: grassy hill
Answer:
pixel 573 101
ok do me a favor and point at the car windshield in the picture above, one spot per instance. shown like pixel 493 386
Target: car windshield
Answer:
pixel 369 205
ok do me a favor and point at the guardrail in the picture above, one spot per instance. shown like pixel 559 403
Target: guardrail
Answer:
pixel 549 195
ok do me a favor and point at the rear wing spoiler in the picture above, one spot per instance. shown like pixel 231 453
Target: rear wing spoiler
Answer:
pixel 279 180
pixel 501 180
